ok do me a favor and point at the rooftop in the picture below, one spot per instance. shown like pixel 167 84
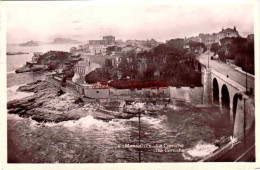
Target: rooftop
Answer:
pixel 82 64
pixel 228 30
pixel 109 36
pixel 96 42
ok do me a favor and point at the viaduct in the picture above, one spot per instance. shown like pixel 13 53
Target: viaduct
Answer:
pixel 232 98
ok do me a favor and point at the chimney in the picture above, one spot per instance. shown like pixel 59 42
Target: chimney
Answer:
pixel 235 28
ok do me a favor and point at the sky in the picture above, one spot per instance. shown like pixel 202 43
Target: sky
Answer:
pixel 45 21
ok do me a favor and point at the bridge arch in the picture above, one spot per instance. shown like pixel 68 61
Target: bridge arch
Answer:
pixel 225 97
pixel 199 67
pixel 226 108
pixel 235 99
pixel 215 91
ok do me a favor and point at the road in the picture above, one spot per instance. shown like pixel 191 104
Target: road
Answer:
pixel 229 70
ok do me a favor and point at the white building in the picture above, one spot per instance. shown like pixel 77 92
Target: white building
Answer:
pixel 81 69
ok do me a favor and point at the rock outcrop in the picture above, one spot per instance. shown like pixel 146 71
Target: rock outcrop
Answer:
pixel 47 106
pixel 16 53
pixel 27 68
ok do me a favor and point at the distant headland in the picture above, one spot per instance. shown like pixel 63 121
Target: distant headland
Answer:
pixel 65 41
pixel 30 43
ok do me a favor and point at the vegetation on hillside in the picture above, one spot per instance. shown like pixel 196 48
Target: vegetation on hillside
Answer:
pixel 56 60
pixel 239 49
pixel 166 62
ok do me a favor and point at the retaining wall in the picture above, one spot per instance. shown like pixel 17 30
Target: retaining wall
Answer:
pixel 194 95
pixel 188 94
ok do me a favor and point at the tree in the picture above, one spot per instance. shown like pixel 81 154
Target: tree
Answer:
pixel 113 49
pixel 175 43
pixel 214 48
pixel 196 45
pixel 98 75
pixel 240 50
pixel 53 66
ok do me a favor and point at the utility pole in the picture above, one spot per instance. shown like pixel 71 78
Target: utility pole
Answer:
pixel 246 75
pixel 139 117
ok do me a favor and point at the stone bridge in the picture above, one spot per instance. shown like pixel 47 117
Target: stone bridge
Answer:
pixel 232 99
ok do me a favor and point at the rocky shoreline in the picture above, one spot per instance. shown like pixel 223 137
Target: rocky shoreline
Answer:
pixel 49 104
pixel 33 68
pixel 16 53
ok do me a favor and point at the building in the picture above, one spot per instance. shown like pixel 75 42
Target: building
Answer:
pixel 81 69
pixel 120 43
pixel 131 42
pixel 97 47
pixel 209 39
pixel 86 47
pixel 116 61
pixel 109 40
pixel 228 33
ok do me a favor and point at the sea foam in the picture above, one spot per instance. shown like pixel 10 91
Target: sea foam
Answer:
pixel 13 94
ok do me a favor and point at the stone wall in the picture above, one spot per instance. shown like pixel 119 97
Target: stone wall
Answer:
pixel 188 94
pixel 142 92
pixel 194 95
pixel 96 93
pixel 119 92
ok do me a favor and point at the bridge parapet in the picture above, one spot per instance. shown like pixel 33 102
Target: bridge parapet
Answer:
pixel 229 81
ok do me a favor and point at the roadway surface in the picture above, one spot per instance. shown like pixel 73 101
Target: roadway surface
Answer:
pixel 229 70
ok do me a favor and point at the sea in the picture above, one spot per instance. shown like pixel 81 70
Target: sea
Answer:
pixel 186 133
pixel 16 61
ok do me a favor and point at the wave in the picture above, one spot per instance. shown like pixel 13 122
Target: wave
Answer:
pixel 174 107
pixel 11 72
pixel 84 122
pixel 201 150
pixel 13 94
pixel 14 117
